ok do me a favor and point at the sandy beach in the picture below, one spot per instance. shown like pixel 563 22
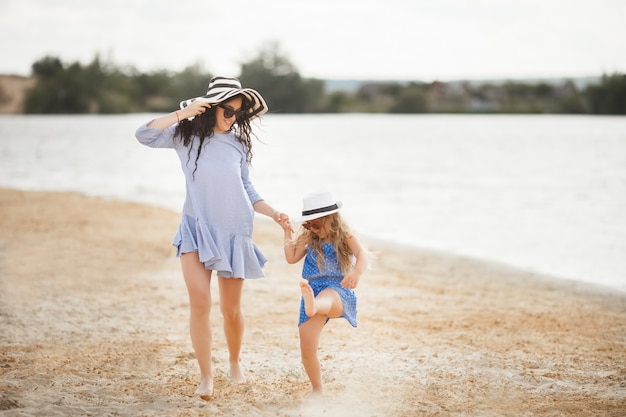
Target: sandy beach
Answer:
pixel 93 319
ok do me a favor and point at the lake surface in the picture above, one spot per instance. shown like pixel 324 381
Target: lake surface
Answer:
pixel 544 193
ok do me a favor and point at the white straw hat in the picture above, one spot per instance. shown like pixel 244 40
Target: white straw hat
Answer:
pixel 318 205
pixel 222 88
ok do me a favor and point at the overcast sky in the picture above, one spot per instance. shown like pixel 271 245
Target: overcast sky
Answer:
pixel 328 39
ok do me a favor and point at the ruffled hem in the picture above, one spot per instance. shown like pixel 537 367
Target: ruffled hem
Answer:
pixel 232 256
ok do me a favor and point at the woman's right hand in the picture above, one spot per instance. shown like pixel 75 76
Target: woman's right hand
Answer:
pixel 193 109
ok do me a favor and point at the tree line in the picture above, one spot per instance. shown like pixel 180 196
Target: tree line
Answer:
pixel 104 88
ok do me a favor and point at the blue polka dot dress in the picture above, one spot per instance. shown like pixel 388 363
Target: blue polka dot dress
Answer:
pixel 329 277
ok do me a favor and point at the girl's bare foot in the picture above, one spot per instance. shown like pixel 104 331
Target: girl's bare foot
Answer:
pixel 205 389
pixel 236 373
pixel 309 298
pixel 316 393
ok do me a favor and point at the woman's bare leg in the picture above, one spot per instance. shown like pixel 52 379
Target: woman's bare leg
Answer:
pixel 198 281
pixel 230 304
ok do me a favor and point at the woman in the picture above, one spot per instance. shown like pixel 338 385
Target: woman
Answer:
pixel 212 137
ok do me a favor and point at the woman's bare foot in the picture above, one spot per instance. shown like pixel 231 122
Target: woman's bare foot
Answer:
pixel 236 373
pixel 309 298
pixel 205 389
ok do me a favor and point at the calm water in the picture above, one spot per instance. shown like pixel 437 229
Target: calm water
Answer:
pixel 545 193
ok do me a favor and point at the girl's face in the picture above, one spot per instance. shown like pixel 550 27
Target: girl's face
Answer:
pixel 317 226
pixel 230 108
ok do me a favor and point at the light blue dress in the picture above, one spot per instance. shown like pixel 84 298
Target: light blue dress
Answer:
pixel 217 218
pixel 329 277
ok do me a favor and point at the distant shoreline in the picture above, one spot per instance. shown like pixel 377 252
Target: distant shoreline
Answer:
pixel 12 92
pixel 13 87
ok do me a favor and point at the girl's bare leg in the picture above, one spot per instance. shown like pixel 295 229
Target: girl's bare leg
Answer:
pixel 308 297
pixel 310 332
pixel 326 304
pixel 198 281
pixel 230 304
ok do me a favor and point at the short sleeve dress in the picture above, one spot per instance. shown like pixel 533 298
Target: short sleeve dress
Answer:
pixel 329 277
pixel 217 217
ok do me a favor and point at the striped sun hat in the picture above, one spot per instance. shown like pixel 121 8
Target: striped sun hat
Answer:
pixel 222 88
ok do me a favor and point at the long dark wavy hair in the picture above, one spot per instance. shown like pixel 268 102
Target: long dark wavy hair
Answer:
pixel 202 126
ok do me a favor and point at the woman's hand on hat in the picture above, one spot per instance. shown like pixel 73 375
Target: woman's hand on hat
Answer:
pixel 195 108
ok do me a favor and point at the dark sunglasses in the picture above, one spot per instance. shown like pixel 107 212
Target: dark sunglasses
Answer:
pixel 230 112
pixel 311 225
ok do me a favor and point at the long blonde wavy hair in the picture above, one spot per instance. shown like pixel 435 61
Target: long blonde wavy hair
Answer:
pixel 338 235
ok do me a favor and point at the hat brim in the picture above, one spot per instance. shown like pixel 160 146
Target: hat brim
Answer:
pixel 258 104
pixel 318 215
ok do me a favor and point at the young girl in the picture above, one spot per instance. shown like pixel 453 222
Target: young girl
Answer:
pixel 334 260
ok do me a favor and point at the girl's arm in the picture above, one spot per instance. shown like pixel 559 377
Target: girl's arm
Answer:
pixel 293 252
pixel 351 279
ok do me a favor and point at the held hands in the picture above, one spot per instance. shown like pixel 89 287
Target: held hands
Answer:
pixel 283 220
